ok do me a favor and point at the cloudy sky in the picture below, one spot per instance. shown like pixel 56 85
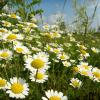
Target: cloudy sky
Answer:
pixel 54 9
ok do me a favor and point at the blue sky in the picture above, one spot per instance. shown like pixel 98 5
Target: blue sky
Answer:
pixel 54 8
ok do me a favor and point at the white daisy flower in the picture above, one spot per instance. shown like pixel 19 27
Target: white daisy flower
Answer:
pixel 38 61
pixel 96 74
pixel 14 16
pixel 84 53
pixel 85 72
pixel 76 83
pixel 5 54
pixel 11 37
pixel 82 47
pixel 31 24
pixel 84 65
pixel 54 95
pixel 62 56
pixel 6 23
pixel 57 50
pixel 21 49
pixel 39 76
pixel 2 32
pixel 46 27
pixel 15 30
pixel 66 63
pixel 3 83
pixel 17 88
pixel 95 50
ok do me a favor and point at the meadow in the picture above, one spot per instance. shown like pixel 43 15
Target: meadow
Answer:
pixel 47 63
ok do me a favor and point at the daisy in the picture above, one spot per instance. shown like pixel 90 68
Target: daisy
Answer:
pixel 36 49
pixel 76 83
pixel 17 88
pixel 46 27
pixel 31 24
pixel 55 35
pixel 96 74
pixel 15 30
pixel 12 37
pixel 3 83
pixel 21 49
pixel 62 56
pixel 5 54
pixel 82 47
pixel 54 95
pixel 84 65
pixel 95 50
pixel 14 16
pixel 84 53
pixel 6 23
pixel 57 50
pixel 66 63
pixel 85 72
pixel 2 32
pixel 39 76
pixel 49 48
pixel 38 61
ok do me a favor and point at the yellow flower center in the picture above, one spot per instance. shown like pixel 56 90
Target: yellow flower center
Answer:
pixel 37 63
pixel 86 67
pixel 13 16
pixel 49 35
pixel 75 69
pixel 81 46
pixel 84 73
pixel 83 52
pixel 1 30
pixel 39 76
pixel 17 88
pixel 19 50
pixel 7 24
pixel 54 98
pixel 2 83
pixel 96 74
pixel 75 83
pixel 4 54
pixel 56 50
pixel 12 37
pixel 62 57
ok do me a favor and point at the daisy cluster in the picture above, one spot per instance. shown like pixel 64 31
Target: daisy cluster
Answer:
pixel 43 60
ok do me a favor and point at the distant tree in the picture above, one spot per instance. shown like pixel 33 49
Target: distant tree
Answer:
pixel 83 21
pixel 24 8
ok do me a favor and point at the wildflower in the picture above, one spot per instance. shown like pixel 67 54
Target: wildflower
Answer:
pixel 96 74
pixel 62 56
pixel 17 88
pixel 14 16
pixel 76 83
pixel 12 37
pixel 84 65
pixel 6 23
pixel 39 76
pixel 54 95
pixel 57 50
pixel 82 47
pixel 38 61
pixel 66 63
pixel 15 30
pixel 5 54
pixel 21 49
pixel 3 83
pixel 95 50
pixel 84 53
